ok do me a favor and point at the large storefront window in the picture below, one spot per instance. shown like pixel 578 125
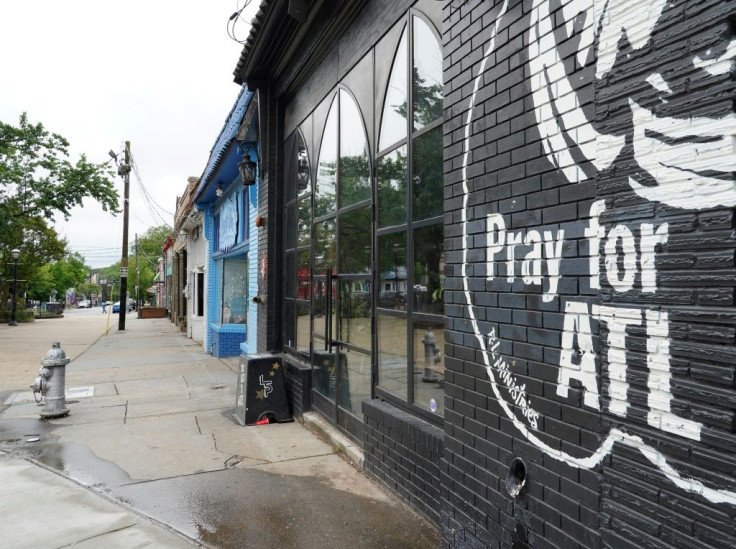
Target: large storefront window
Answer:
pixel 234 290
pixel 363 288
pixel 342 335
pixel 297 243
pixel 409 233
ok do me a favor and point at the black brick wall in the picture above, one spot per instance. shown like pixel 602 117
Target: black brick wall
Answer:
pixel 270 208
pixel 298 378
pixel 403 452
pixel 621 159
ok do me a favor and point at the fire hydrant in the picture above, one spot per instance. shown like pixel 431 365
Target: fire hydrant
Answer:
pixel 51 382
pixel 431 356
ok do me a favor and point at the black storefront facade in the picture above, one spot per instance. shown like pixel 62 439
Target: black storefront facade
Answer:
pixel 497 250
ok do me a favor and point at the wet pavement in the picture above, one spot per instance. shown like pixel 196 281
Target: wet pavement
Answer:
pixel 157 438
pixel 251 508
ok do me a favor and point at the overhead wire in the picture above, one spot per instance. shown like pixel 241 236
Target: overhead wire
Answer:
pixel 145 256
pixel 148 202
pixel 233 20
pixel 143 187
pixel 154 208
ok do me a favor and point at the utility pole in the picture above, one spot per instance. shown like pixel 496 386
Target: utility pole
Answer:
pixel 137 278
pixel 124 170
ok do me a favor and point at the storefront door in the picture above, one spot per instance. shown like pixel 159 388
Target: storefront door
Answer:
pixel 342 335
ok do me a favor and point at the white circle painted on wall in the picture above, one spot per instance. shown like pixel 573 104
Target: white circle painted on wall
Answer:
pixel 579 160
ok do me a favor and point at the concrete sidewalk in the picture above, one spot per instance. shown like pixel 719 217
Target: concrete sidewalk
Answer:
pixel 42 509
pixel 151 439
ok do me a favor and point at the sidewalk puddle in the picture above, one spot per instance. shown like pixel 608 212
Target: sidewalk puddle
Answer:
pixel 80 464
pixel 248 508
pixel 15 434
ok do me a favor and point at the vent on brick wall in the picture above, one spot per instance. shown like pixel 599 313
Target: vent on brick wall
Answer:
pixel 516 479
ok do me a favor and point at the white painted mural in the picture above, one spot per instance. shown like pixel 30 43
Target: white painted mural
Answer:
pixel 687 161
pixel 683 163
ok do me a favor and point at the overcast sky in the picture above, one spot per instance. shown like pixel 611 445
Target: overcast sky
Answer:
pixel 153 72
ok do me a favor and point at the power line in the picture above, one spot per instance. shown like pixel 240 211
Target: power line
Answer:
pixel 157 217
pixel 233 20
pixel 144 190
pixel 93 248
pixel 141 252
pixel 154 208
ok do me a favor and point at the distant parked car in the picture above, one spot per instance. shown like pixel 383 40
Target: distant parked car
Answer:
pixel 116 306
pixel 84 304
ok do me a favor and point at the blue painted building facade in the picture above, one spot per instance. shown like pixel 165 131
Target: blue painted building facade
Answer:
pixel 229 209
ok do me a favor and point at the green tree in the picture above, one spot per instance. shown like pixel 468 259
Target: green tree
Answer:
pixel 42 284
pixel 89 290
pixel 149 250
pixel 37 182
pixel 111 277
pixel 69 273
pixel 39 246
pixel 427 101
pixel 61 275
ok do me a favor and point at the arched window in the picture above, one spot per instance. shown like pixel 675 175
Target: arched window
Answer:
pixel 343 138
pixel 382 263
pixel 297 244
pixel 409 234
pixel 342 273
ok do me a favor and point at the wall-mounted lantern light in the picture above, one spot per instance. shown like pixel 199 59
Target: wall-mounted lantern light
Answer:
pixel 247 169
pixel 218 190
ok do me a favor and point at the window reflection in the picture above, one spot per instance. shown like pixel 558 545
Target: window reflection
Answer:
pixel 429 269
pixel 393 122
pixel 304 224
pixel 303 172
pixel 302 328
pixel 409 336
pixel 325 371
pixel 324 199
pixel 392 274
pixel 427 75
pixel 355 312
pixel 321 314
pixel 234 290
pixel 429 369
pixel 355 172
pixel 427 180
pixel 303 274
pixel 324 246
pixel 355 241
pixel 297 263
pixel 392 354
pixel 355 380
pixel 392 188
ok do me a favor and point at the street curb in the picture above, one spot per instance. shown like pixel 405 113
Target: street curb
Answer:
pixel 339 442
pixel 110 499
